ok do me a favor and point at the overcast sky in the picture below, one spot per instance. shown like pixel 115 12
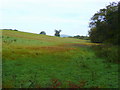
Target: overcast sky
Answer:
pixel 71 16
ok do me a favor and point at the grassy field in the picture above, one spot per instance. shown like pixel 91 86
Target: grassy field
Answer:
pixel 41 61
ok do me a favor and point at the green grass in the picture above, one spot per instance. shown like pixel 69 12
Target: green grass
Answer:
pixel 40 61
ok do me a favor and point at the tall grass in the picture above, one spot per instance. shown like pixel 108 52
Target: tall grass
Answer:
pixel 109 52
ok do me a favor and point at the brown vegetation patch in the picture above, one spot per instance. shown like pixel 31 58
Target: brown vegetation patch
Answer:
pixel 51 48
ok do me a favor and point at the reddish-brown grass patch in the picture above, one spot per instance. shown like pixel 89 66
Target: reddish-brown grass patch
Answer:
pixel 51 49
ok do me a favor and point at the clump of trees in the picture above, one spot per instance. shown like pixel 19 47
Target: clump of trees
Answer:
pixel 43 32
pixel 57 33
pixel 81 37
pixel 105 25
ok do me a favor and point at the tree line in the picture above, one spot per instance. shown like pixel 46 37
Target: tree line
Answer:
pixel 105 25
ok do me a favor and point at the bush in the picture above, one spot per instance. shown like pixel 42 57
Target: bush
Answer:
pixel 109 52
pixel 43 32
pixel 15 30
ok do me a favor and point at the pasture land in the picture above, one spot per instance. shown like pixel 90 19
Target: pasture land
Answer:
pixel 40 61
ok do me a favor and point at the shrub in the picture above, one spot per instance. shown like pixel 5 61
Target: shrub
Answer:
pixel 43 32
pixel 15 30
pixel 109 52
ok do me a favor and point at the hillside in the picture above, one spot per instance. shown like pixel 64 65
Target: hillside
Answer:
pixel 37 38
pixel 40 61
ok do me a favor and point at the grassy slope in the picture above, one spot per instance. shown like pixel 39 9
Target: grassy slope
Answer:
pixel 31 60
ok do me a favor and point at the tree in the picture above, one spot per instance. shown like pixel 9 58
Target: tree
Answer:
pixel 43 32
pixel 57 33
pixel 104 25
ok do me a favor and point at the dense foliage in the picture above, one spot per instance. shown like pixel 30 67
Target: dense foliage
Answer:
pixel 105 26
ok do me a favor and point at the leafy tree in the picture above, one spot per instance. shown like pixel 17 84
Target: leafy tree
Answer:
pixel 57 33
pixel 104 25
pixel 43 32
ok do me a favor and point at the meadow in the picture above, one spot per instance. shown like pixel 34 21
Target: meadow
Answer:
pixel 40 61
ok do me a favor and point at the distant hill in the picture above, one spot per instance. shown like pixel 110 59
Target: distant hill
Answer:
pixel 64 35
